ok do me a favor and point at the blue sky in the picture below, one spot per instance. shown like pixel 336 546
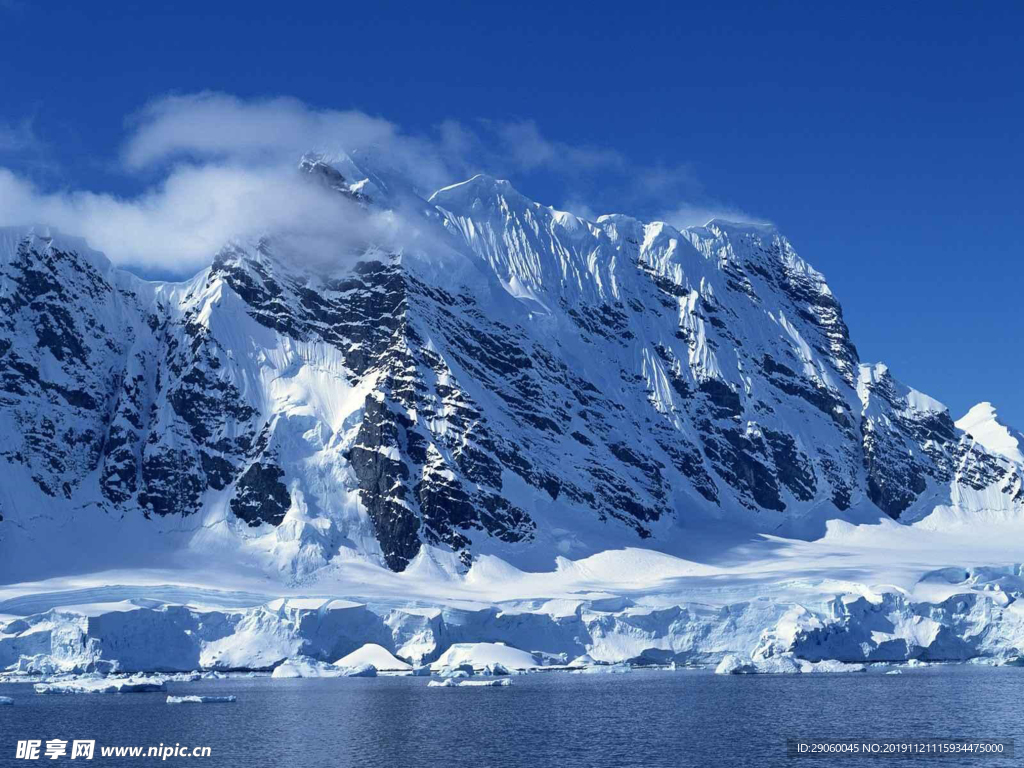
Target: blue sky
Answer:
pixel 884 141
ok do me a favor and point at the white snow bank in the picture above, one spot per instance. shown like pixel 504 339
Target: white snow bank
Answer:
pixel 480 655
pixel 100 685
pixel 200 699
pixel 377 655
pixel 969 613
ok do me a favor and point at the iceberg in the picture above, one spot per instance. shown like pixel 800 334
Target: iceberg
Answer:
pixel 6 701
pixel 377 655
pixel 101 685
pixel 784 664
pixel 480 655
pixel 452 683
pixel 300 667
pixel 453 672
pixel 360 670
pixel 201 699
pixel 604 669
pixel 732 664
pixel 830 665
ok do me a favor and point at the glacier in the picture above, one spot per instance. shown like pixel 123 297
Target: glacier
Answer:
pixel 608 440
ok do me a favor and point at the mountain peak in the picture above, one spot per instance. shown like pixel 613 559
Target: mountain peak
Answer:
pixel 480 185
pixel 983 424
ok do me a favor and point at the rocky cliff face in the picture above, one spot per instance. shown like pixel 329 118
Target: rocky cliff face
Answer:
pixel 526 383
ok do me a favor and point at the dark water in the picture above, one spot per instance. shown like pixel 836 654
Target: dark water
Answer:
pixel 648 718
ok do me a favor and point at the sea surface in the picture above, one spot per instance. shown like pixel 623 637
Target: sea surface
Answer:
pixel 646 718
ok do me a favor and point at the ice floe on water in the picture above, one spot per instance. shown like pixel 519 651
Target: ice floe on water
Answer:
pixel 359 670
pixel 201 699
pixel 781 665
pixel 500 682
pixel 102 685
pixel 603 669
pixel 298 667
pixel 6 701
pixel 303 667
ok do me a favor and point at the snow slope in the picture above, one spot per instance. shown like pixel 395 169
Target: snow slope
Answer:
pixel 505 424
pixel 512 381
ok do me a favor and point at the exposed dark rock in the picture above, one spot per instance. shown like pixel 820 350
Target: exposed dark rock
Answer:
pixel 260 496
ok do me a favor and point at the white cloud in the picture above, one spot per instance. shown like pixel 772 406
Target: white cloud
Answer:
pixel 523 142
pixel 183 222
pixel 217 127
pixel 227 168
pixel 692 215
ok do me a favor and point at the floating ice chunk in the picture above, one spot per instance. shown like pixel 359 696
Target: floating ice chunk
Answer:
pixel 914 663
pixel 6 701
pixel 360 670
pixel 300 667
pixel 830 665
pixel 604 669
pixel 101 685
pixel 462 670
pixel 183 677
pixel 377 655
pixel 500 682
pixel 452 683
pixel 779 665
pixel 496 670
pixel 734 665
pixel 200 699
pixel 479 655
pixel 783 664
pixel 586 660
pixel 894 672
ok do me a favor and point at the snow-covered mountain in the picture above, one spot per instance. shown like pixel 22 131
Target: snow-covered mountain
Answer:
pixel 513 380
